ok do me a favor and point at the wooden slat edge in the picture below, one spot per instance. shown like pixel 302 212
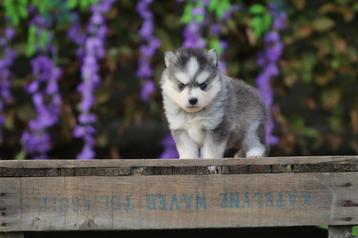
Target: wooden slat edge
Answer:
pixel 176 162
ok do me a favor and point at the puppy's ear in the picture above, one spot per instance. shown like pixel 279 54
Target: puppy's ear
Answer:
pixel 213 57
pixel 169 57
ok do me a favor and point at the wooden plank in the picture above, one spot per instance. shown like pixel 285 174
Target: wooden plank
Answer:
pixel 55 168
pixel 11 235
pixel 340 232
pixel 178 201
pixel 70 163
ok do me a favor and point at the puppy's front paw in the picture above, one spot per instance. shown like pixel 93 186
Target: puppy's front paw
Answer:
pixel 214 169
pixel 255 152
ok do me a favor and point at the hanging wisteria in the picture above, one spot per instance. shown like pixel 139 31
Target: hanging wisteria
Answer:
pixel 93 51
pixel 193 17
pixel 268 61
pixel 43 89
pixel 6 62
pixel 149 45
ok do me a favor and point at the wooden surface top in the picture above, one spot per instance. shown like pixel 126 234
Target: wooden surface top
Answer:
pixel 53 168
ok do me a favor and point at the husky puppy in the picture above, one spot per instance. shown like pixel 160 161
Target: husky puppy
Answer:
pixel 207 111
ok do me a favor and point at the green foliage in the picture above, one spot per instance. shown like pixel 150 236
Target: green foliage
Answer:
pixel 16 10
pixel 355 231
pixel 37 39
pixel 214 43
pixel 219 7
pixel 188 15
pixel 82 4
pixel 261 19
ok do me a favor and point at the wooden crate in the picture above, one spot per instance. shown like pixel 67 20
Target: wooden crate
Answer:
pixel 167 194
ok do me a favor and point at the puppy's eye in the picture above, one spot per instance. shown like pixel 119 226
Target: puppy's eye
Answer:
pixel 203 86
pixel 181 86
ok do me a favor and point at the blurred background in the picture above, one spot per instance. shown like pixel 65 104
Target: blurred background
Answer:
pixel 80 78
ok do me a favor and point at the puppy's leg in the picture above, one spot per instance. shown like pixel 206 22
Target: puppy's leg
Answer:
pixel 213 149
pixel 187 148
pixel 253 142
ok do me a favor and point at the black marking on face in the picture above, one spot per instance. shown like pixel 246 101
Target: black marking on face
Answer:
pixel 203 86
pixel 181 86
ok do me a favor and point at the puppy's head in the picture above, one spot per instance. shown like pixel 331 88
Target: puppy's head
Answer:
pixel 191 78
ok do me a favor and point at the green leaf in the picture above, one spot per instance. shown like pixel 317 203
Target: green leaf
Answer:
pixel 213 5
pixel 43 39
pixel 266 22
pixel 256 27
pixel 31 41
pixel 199 18
pixel 21 155
pixel 257 9
pixel 214 43
pixel 84 4
pixel 188 14
pixel 323 24
pixel 71 4
pixel 355 231
pixel 15 10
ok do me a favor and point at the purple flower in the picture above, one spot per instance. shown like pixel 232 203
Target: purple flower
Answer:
pixel 46 99
pixel 279 17
pixel 91 49
pixel 5 75
pixel 76 34
pixel 147 50
pixel 147 90
pixel 215 29
pixel 170 151
pixel 192 36
pixel 35 138
pixel 268 61
pixel 87 153
pixel 198 11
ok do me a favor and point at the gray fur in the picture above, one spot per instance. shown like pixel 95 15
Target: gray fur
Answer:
pixel 235 117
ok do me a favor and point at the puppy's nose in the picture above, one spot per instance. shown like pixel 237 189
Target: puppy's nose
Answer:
pixel 193 101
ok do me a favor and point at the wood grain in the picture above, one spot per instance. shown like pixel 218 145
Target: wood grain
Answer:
pixel 178 201
pixel 340 232
pixel 70 168
pixel 11 235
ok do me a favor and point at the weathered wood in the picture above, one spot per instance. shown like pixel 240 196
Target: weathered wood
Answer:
pixel 11 235
pixel 164 194
pixel 178 201
pixel 55 168
pixel 340 232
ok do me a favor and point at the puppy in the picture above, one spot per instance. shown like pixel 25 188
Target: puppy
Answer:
pixel 207 111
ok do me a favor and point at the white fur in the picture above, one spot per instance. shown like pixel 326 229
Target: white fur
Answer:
pixel 202 77
pixel 212 150
pixel 182 77
pixel 192 67
pixel 196 93
pixel 213 56
pixel 195 130
pixel 169 57
pixel 187 148
pixel 255 148
pixel 180 98
pixel 256 151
